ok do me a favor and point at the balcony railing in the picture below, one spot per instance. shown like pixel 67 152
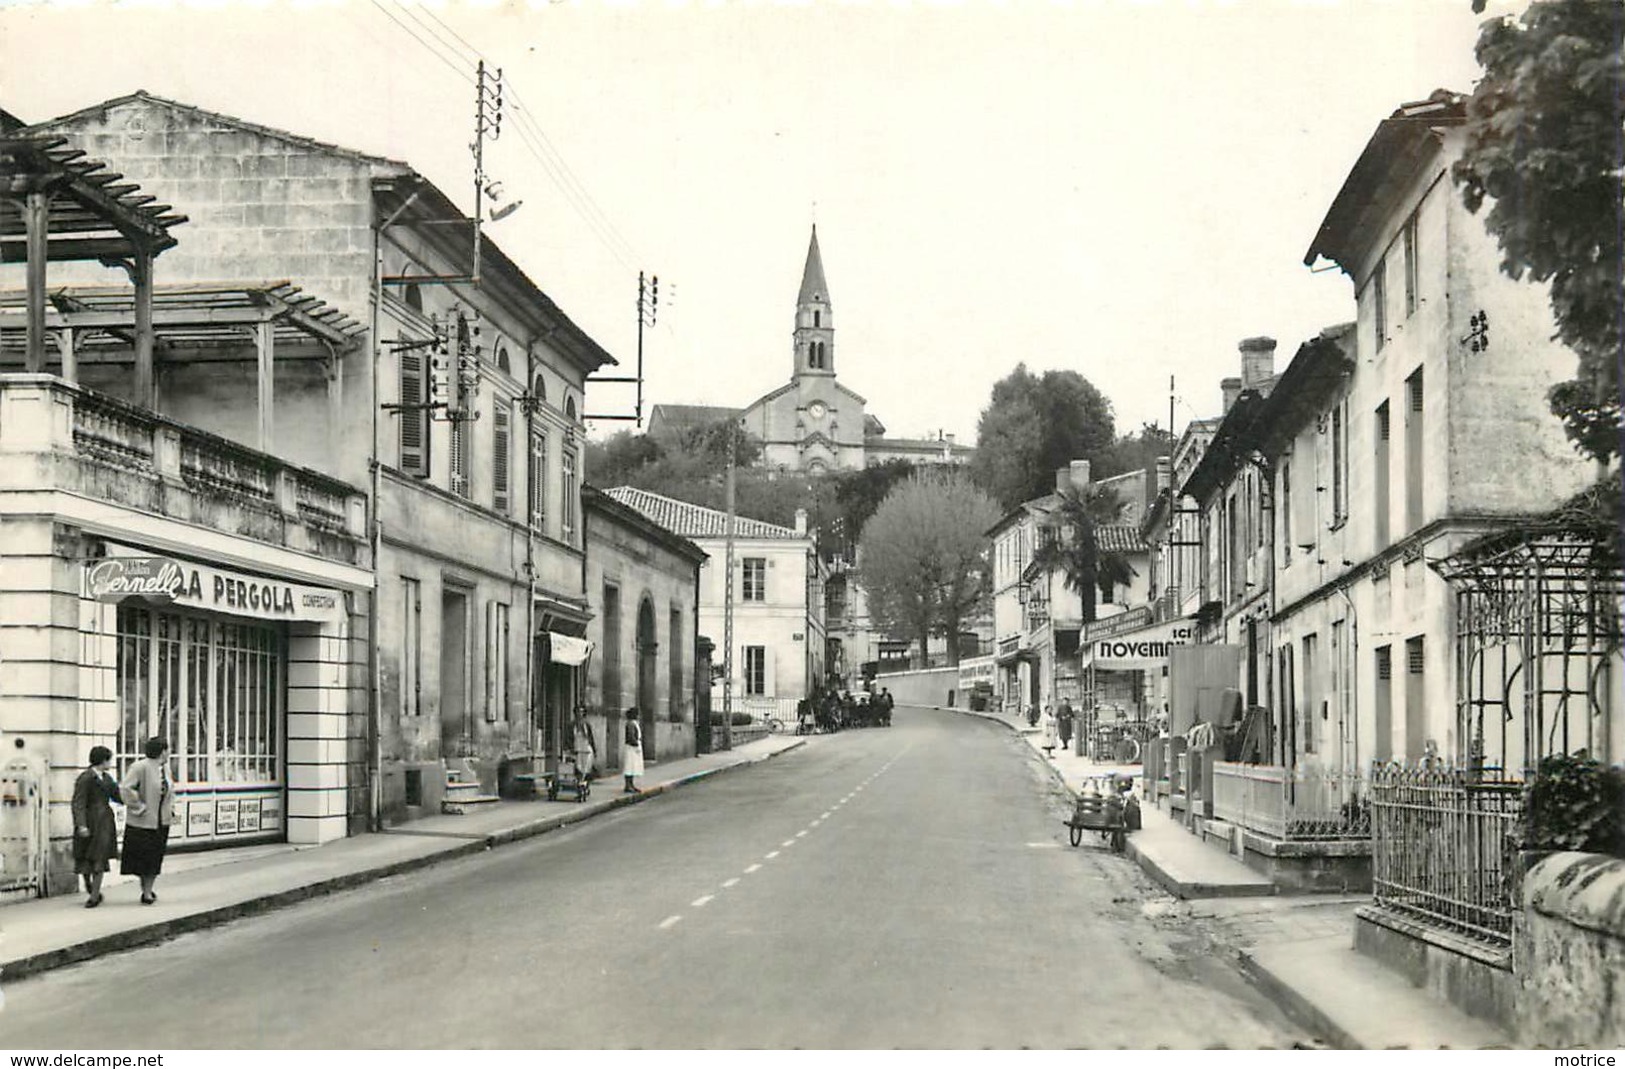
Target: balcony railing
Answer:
pixel 1302 804
pixel 118 452
pixel 1441 847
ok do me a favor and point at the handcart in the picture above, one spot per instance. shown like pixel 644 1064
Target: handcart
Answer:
pixel 570 777
pixel 1106 807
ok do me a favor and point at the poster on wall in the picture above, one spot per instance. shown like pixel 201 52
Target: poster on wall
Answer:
pixel 248 815
pixel 225 817
pixel 271 813
pixel 199 819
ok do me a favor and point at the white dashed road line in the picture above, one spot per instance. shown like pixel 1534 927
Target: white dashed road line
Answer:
pixel 702 900
pixel 730 883
pixel 788 842
pixel 752 868
pixel 800 833
pixel 771 854
pixel 671 920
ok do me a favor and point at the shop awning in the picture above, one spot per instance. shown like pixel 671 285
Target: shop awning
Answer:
pixel 563 649
pixel 1144 649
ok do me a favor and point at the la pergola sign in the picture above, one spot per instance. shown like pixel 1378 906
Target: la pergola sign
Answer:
pixel 165 581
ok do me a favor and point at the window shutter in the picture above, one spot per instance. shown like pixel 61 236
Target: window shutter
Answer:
pixel 538 481
pixel 414 446
pixel 500 456
pixel 490 661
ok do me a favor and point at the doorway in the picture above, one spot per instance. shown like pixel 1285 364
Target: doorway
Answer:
pixel 456 717
pixel 647 645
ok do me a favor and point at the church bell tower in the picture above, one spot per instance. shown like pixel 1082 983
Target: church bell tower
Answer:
pixel 815 318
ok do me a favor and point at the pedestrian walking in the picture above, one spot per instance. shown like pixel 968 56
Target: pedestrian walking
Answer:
pixel 1049 731
pixel 586 746
pixel 150 804
pixel 1063 725
pixel 632 752
pixel 95 835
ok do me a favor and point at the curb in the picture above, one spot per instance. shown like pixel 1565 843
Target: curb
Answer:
pixel 1299 1010
pixel 162 931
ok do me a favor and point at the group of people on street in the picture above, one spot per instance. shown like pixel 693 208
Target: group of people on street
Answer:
pixel 1058 725
pixel 149 805
pixel 586 748
pixel 831 710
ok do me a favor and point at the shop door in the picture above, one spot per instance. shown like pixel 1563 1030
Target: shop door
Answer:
pixel 456 725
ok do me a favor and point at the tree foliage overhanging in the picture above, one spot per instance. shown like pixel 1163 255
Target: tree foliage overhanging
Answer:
pixel 1546 145
pixel 1071 545
pixel 923 556
pixel 1034 424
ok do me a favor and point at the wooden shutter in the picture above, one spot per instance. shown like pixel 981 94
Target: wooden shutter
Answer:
pixel 414 442
pixel 538 481
pixel 501 436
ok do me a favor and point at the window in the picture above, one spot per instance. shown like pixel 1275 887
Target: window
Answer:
pixel 755 671
pixel 501 459
pixel 754 580
pixel 612 646
pixel 411 647
pixel 1340 504
pixel 213 688
pixel 459 457
pixel 1415 693
pixel 818 317
pixel 496 661
pixel 1379 482
pixel 1379 302
pixel 1383 713
pixel 1410 265
pixel 1413 451
pixel 414 422
pixel 538 480
pixel 1311 694
pixel 1286 510
pixel 677 704
pixel 571 496
pixel 502 360
pixel 1107 592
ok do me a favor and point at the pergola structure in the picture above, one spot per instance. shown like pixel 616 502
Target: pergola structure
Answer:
pixel 262 322
pixel 1539 636
pixel 57 205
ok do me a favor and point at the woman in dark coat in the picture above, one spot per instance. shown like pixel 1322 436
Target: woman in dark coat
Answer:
pixel 95 836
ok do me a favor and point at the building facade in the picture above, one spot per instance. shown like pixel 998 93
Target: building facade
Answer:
pixel 778 601
pixel 643 583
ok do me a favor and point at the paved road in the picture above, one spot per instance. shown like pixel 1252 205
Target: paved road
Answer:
pixel 902 887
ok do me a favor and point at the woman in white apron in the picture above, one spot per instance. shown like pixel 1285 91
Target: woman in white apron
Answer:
pixel 632 751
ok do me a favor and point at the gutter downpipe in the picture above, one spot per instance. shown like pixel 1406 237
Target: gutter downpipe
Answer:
pixel 375 527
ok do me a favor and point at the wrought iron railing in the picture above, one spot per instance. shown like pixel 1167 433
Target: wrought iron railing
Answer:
pixel 763 709
pixel 1442 846
pixel 1304 804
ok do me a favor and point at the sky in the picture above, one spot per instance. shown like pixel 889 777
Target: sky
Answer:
pixel 1124 189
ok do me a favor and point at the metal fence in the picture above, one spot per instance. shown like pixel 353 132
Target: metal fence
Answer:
pixel 1303 804
pixel 1441 848
pixel 763 709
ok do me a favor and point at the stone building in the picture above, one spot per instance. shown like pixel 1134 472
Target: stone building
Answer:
pixel 643 583
pixel 456 409
pixel 778 600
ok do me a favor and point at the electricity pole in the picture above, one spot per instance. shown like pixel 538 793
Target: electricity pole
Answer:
pixel 728 603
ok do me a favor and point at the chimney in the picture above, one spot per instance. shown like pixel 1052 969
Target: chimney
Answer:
pixel 1231 388
pixel 1257 363
pixel 950 440
pixel 1165 473
pixel 801 522
pixel 1080 474
pixel 1063 480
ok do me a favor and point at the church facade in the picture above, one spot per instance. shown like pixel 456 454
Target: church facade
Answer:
pixel 813 423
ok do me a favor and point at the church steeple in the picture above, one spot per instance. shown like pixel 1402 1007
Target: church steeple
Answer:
pixel 815 317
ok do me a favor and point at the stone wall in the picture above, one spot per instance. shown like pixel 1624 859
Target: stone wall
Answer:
pixel 1569 953
pixel 930 686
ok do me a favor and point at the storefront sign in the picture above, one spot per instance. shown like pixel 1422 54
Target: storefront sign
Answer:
pixel 225 816
pixel 126 573
pixel 248 815
pixel 271 813
pixel 199 819
pixel 157 579
pixel 1147 648
pixel 1121 624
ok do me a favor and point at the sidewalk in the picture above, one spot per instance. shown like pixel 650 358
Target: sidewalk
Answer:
pixel 201 890
pixel 1297 949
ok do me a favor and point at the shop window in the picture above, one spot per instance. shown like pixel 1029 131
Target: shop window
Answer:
pixel 214 689
pixel 754 579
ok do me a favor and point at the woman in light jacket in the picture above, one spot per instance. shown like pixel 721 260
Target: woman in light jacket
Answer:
pixel 95 835
pixel 632 752
pixel 150 805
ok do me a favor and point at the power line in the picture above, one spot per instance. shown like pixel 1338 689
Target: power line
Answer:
pixel 464 75
pixel 602 230
pixel 445 46
pixel 526 119
pixel 466 46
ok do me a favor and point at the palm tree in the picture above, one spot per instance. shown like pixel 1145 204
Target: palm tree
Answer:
pixel 1071 545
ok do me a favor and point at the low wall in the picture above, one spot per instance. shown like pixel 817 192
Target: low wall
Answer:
pixel 925 686
pixel 1569 949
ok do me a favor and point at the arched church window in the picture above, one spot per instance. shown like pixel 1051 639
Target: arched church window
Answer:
pixel 817 317
pixel 821 362
pixel 502 360
pixel 413 297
